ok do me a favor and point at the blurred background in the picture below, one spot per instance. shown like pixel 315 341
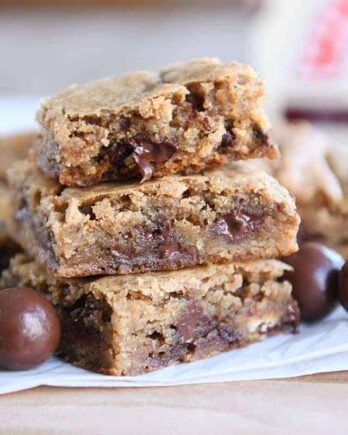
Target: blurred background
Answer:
pixel 46 45
pixel 299 47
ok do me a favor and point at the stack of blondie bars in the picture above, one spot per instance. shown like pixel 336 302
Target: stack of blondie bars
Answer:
pixel 153 242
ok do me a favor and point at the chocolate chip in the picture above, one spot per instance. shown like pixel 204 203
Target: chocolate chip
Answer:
pixel 92 120
pixel 87 210
pixel 124 123
pixel 116 153
pixel 260 135
pixel 227 334
pixel 196 100
pixel 157 336
pixel 29 328
pixel 236 225
pixel 315 279
pixel 153 247
pixel 81 318
pixel 206 124
pixel 143 151
pixel 188 324
pixel 169 249
pixel 227 142
pixel 8 250
pixel 169 246
pixel 343 289
pixel 146 153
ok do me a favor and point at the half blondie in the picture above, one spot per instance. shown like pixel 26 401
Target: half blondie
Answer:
pixel 234 214
pixel 315 169
pixel 185 118
pixel 128 325
pixel 14 147
pixel 7 246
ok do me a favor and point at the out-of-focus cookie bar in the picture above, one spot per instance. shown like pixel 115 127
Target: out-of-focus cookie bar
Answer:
pixel 14 147
pixel 315 170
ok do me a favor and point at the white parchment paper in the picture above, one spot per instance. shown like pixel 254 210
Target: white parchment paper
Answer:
pixel 321 347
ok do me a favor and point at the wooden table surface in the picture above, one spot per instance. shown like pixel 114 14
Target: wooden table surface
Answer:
pixel 316 403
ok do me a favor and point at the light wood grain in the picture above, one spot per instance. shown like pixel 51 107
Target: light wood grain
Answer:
pixel 316 403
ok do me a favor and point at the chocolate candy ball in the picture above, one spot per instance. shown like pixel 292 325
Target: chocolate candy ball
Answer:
pixel 343 291
pixel 29 328
pixel 315 279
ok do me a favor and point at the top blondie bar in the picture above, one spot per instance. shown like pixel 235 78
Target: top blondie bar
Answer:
pixel 182 119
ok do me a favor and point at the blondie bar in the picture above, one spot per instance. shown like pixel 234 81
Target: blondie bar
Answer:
pixel 14 147
pixel 315 169
pixel 165 224
pixel 7 246
pixel 185 118
pixel 128 325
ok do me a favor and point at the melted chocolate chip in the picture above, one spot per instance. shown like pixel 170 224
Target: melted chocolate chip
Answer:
pixel 237 225
pixel 196 100
pixel 154 247
pixel 29 328
pixel 169 247
pixel 188 324
pixel 227 142
pixel 146 153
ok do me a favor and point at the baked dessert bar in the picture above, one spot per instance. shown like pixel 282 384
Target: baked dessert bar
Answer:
pixel 128 325
pixel 315 169
pixel 14 147
pixel 5 211
pixel 8 247
pixel 182 119
pixel 170 223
